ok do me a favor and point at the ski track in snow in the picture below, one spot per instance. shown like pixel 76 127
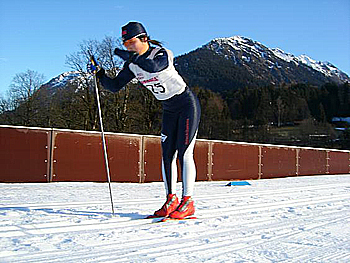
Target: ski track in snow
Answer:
pixel 296 219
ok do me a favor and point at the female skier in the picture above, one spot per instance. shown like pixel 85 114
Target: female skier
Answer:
pixel 153 67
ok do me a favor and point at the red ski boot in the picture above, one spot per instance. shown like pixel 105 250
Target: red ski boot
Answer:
pixel 185 209
pixel 169 206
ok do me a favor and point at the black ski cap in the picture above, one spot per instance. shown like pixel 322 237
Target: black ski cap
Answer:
pixel 132 29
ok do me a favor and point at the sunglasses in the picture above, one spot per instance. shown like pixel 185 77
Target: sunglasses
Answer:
pixel 130 40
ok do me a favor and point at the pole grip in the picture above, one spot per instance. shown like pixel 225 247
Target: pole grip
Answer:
pixel 92 59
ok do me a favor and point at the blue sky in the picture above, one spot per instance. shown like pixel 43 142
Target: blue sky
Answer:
pixel 39 34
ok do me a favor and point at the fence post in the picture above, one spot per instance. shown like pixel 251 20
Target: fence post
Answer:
pixel 327 162
pixel 142 160
pixel 50 154
pixel 260 164
pixel 297 165
pixel 210 161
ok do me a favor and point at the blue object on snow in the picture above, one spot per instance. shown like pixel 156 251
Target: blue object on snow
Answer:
pixel 238 183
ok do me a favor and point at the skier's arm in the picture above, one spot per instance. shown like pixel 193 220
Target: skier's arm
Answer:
pixel 117 83
pixel 157 64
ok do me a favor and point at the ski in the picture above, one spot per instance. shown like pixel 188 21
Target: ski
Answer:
pixel 167 219
pixel 160 219
pixel 153 216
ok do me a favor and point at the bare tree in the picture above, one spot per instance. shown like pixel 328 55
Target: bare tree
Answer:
pixel 4 109
pixel 22 96
pixel 78 61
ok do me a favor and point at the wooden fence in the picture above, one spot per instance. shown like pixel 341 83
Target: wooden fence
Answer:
pixel 55 155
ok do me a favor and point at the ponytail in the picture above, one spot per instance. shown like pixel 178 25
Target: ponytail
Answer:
pixel 155 42
pixel 144 37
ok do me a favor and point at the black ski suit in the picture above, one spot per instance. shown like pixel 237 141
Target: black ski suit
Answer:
pixel 181 111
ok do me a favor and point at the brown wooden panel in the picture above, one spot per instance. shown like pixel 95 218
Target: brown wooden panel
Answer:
pixel 339 162
pixel 312 162
pixel 79 156
pixel 201 151
pixel 23 155
pixel 278 162
pixel 124 156
pixel 152 159
pixel 235 161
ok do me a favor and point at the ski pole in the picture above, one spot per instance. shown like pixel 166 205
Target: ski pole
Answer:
pixel 95 64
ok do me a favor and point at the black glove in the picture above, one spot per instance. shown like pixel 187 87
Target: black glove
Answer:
pixel 91 68
pixel 125 55
pixel 134 58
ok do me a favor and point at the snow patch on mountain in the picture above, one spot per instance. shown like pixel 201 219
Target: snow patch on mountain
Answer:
pixel 325 67
pixel 283 55
pixel 77 79
pixel 70 77
pixel 232 46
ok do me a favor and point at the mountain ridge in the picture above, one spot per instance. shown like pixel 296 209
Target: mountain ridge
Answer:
pixel 325 67
pixel 251 63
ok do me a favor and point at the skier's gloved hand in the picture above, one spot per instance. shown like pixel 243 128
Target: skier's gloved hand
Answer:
pixel 91 68
pixel 124 54
pixel 134 58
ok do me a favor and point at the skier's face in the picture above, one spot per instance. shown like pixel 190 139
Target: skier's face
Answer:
pixel 137 45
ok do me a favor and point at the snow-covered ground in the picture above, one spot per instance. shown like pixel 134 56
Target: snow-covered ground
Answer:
pixel 299 219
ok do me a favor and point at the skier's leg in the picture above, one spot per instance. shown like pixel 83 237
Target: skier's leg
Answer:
pixel 169 174
pixel 169 169
pixel 169 153
pixel 188 169
pixel 187 132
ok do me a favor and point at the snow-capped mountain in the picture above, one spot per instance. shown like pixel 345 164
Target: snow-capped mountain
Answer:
pixel 253 49
pixel 70 78
pixel 239 61
pixel 64 79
